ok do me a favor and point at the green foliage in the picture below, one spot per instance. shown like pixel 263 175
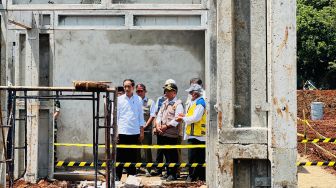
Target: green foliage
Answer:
pixel 316 42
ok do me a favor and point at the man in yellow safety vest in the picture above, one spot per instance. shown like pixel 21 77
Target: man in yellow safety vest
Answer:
pixel 195 128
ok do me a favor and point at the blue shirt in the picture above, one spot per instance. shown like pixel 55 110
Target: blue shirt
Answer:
pixel 130 115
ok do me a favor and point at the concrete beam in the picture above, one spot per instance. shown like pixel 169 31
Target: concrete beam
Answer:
pixel 244 136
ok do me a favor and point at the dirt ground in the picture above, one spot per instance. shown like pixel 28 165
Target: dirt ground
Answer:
pixel 44 184
pixel 314 176
pixel 319 129
pixel 306 97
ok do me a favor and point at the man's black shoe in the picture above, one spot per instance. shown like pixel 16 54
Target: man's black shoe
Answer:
pixel 171 178
pixel 164 177
pixel 190 179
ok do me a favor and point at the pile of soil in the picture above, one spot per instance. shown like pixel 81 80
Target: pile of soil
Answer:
pixel 306 97
pixel 325 127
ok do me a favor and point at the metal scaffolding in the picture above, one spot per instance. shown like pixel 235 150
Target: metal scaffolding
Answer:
pixel 96 95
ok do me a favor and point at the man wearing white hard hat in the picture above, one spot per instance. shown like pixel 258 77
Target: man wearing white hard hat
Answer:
pixel 195 129
pixel 158 104
pixel 168 128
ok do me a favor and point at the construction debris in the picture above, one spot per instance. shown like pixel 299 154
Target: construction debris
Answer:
pixel 132 182
pixel 43 183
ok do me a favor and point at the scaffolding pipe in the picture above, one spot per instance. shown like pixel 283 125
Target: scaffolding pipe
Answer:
pixel 35 88
pixel 95 98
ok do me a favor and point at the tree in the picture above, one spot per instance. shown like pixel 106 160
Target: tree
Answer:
pixel 316 42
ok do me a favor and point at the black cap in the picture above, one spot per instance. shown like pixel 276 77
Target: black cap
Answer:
pixel 170 87
pixel 120 89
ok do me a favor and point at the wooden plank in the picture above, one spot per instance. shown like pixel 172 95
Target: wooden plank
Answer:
pixel 19 24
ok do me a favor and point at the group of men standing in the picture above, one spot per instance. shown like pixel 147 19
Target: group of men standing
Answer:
pixel 139 117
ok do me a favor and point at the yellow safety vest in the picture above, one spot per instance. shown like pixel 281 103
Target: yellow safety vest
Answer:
pixel 197 128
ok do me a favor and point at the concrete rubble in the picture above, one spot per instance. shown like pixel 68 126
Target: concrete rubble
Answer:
pixel 132 182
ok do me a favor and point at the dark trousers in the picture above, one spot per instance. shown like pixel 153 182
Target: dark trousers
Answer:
pixel 171 155
pixel 159 153
pixel 146 154
pixel 126 154
pixel 196 155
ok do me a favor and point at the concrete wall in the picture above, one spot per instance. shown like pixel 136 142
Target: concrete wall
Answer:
pixel 149 57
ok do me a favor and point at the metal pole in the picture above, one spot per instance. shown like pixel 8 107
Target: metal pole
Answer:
pixel 55 129
pixel 97 137
pixel 8 140
pixel 108 138
pixel 13 121
pixel 94 134
pixel 114 138
pixel 33 88
pixel 25 130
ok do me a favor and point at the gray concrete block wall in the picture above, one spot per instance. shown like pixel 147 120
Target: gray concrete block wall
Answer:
pixel 149 57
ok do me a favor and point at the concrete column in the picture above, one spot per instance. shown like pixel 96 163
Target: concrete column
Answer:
pixel 211 91
pixel 269 43
pixel 32 75
pixel 282 63
pixel 3 63
pixel 225 89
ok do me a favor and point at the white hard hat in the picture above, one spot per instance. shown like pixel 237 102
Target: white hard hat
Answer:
pixel 195 87
pixel 170 81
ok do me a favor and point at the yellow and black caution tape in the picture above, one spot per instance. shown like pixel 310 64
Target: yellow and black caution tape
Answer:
pixel 316 140
pixel 325 163
pixel 59 164
pixel 118 164
pixel 135 146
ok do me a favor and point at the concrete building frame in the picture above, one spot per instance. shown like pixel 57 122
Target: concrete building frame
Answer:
pixel 261 152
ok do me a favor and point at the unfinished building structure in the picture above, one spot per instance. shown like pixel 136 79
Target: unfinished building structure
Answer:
pixel 245 50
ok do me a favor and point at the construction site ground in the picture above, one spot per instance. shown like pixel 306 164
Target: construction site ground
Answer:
pixel 316 176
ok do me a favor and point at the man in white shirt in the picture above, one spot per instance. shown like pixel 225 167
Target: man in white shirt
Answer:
pixel 195 129
pixel 130 121
pixel 168 128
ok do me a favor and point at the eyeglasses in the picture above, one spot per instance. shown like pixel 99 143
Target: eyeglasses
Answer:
pixel 140 91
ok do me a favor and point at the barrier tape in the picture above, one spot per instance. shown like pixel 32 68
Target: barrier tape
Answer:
pixel 308 124
pixel 316 140
pixel 170 165
pixel 299 134
pixel 325 163
pixel 118 164
pixel 135 146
